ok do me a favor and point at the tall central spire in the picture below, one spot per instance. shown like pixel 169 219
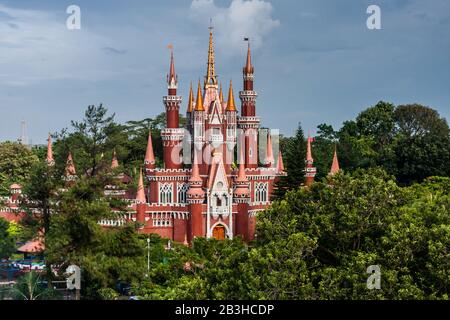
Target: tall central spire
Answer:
pixel 211 77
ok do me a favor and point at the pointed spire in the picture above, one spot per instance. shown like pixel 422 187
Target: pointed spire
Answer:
pixel 191 101
pixel 211 78
pixel 149 155
pixel 50 160
pixel 172 79
pixel 114 162
pixel 335 165
pixel 140 195
pixel 221 94
pixel 269 151
pixel 280 164
pixel 199 101
pixel 248 69
pixel 70 166
pixel 231 106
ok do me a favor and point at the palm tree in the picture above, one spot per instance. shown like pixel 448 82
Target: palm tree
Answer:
pixel 29 287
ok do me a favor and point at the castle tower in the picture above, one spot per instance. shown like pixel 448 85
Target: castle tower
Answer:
pixel 248 121
pixel 172 135
pixel 195 199
pixel 310 170
pixel 242 199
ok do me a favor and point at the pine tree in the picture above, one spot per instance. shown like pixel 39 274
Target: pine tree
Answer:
pixel 294 155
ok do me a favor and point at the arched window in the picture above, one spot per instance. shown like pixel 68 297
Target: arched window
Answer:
pixel 261 191
pixel 165 193
pixel 182 189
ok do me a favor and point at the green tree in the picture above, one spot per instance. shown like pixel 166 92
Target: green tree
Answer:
pixel 92 132
pixel 7 244
pixel 106 256
pixel 422 146
pixel 294 155
pixel 31 287
pixel 15 163
pixel 323 149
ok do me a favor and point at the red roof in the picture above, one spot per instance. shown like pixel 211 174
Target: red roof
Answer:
pixel 33 246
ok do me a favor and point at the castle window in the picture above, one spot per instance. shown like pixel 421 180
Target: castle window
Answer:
pixel 182 189
pixel 261 191
pixel 165 193
pixel 161 223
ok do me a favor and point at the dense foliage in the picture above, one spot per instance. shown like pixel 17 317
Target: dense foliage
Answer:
pixel 384 209
pixel 318 242
pixel 15 163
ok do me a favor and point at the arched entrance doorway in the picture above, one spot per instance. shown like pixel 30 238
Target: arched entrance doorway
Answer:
pixel 219 232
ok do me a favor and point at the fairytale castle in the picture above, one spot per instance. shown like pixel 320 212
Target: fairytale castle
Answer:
pixel 219 171
pixel 213 197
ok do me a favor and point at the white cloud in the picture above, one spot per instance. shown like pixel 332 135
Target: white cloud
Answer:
pixel 243 18
pixel 36 46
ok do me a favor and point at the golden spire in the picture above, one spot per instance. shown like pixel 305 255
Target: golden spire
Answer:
pixel 230 105
pixel 211 78
pixel 191 100
pixel 199 101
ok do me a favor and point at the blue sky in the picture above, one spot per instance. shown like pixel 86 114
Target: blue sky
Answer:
pixel 316 61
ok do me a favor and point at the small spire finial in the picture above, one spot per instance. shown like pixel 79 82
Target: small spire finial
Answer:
pixel 172 79
pixel 211 77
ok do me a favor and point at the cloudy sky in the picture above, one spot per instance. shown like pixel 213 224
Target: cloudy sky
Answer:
pixel 315 60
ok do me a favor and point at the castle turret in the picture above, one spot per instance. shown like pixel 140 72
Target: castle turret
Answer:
pixel 248 121
pixel 196 198
pixel 310 170
pixel 241 196
pixel 172 135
